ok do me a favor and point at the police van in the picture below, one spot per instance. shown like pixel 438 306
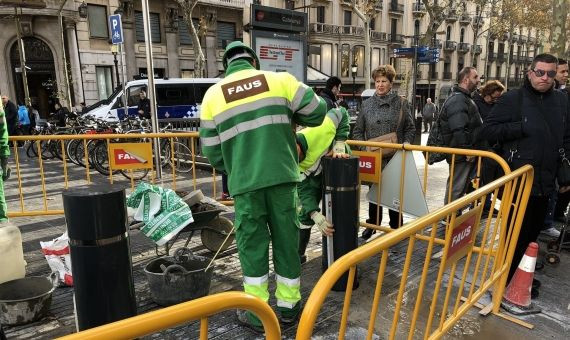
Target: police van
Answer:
pixel 175 98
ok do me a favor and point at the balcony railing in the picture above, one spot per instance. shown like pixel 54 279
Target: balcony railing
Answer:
pixel 330 29
pixel 465 19
pixel 451 16
pixel 477 49
pixel 492 56
pixel 478 21
pixel 396 8
pixel 447 75
pixel 522 39
pixel 378 7
pixel 515 37
pixel 419 9
pixel 450 45
pixel 396 38
pixel 225 3
pixel 375 35
pixel 463 47
pixel 529 59
pixel 532 40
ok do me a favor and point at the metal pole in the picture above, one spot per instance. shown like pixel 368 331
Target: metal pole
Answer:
pixel 22 53
pixel 116 62
pixel 151 91
pixel 65 74
pixel 415 72
pixel 124 69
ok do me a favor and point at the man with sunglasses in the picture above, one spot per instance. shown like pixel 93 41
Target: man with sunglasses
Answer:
pixel 532 123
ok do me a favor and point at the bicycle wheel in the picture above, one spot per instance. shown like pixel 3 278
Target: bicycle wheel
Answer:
pixel 135 174
pixel 31 151
pixel 70 150
pixel 100 157
pixel 182 158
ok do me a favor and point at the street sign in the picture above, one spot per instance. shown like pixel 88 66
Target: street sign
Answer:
pixel 116 29
pixel 462 236
pixel 131 156
pixel 408 52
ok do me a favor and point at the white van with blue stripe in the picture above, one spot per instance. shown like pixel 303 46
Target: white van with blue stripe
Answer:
pixel 175 98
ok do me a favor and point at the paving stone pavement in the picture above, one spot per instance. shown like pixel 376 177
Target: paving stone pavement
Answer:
pixel 553 323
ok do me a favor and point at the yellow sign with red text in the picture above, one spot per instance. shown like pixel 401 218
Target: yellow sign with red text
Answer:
pixel 131 156
pixel 369 163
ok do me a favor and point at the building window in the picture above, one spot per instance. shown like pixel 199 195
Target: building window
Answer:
pixel 375 58
pixel 373 24
pixel 226 33
pixel 498 72
pixel 154 27
pixel 97 17
pixel 394 28
pixel 462 35
pixel 315 56
pixel 321 14
pixel 326 59
pixel 104 77
pixel 184 31
pixel 347 18
pixel 358 59
pixel 345 60
pixel 289 4
pixel 448 33
pixel 186 73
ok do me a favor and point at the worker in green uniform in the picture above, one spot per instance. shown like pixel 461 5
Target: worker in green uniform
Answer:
pixel 312 144
pixel 4 154
pixel 246 131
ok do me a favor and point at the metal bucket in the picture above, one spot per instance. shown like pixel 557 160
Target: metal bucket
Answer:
pixel 175 279
pixel 26 300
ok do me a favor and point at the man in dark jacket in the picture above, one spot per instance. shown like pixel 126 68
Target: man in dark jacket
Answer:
pixel 11 115
pixel 533 122
pixel 563 198
pixel 460 125
pixel 331 91
pixel 143 108
pixel 428 113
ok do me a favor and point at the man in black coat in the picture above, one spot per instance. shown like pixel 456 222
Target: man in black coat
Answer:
pixel 533 122
pixel 11 116
pixel 330 92
pixel 143 108
pixel 460 124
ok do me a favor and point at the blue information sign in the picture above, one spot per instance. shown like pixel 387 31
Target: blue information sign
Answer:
pixel 116 29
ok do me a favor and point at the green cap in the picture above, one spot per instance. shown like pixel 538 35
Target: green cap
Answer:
pixel 247 51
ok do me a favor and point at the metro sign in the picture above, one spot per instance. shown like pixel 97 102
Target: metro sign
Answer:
pixel 462 235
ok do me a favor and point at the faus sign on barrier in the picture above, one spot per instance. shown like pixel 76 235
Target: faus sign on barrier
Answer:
pixel 131 156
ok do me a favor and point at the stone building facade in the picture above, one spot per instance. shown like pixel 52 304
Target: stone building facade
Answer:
pixel 91 67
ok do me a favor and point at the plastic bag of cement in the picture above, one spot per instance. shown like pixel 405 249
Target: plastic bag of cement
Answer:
pixel 58 258
pixel 163 212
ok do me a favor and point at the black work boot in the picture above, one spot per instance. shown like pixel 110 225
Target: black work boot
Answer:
pixel 304 236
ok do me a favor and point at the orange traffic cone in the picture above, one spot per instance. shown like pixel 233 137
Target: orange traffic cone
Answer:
pixel 517 298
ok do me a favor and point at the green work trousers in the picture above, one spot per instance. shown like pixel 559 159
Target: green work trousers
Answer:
pixel 263 216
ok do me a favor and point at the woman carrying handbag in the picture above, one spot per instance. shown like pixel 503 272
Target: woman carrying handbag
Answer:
pixel 385 117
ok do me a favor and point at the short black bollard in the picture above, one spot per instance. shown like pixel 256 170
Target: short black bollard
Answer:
pixel 341 202
pixel 96 218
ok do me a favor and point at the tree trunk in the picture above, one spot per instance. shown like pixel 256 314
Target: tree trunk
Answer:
pixel 200 62
pixel 558 30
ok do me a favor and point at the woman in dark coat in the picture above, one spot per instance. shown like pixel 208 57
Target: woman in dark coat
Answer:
pixel 379 116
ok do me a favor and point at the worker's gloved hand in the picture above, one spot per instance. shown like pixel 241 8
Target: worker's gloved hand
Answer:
pixel 339 150
pixel 321 222
pixel 5 168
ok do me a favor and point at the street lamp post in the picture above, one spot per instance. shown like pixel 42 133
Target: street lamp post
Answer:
pixel 354 69
pixel 115 50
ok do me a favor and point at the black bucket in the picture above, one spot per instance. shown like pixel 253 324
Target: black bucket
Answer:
pixel 26 300
pixel 172 280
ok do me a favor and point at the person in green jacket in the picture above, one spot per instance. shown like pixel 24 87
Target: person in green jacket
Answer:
pixel 312 144
pixel 246 132
pixel 4 154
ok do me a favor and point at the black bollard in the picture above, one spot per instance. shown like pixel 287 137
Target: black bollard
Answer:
pixel 341 202
pixel 96 218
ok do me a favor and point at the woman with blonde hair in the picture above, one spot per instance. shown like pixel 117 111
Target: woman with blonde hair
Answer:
pixel 383 113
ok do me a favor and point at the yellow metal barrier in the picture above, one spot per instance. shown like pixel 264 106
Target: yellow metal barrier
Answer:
pixel 485 261
pixel 39 180
pixel 199 309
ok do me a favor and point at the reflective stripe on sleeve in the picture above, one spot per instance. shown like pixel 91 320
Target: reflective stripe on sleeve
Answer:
pixel 298 97
pixel 335 115
pixel 210 141
pixel 312 106
pixel 207 124
pixel 252 125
